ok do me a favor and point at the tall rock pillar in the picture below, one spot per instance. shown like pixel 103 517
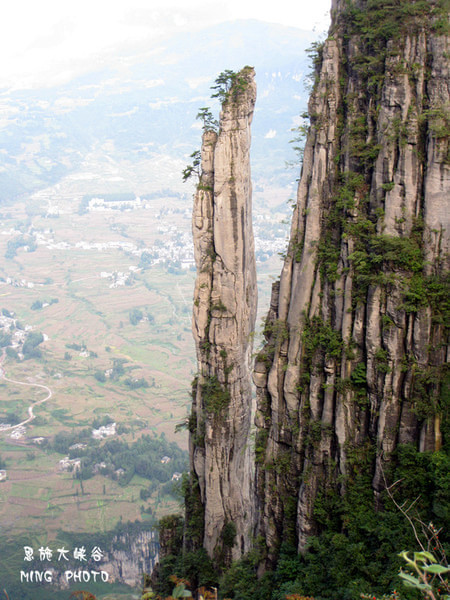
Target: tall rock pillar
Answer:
pixel 219 507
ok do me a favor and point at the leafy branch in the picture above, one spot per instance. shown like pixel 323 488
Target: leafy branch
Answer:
pixel 298 141
pixel 426 569
pixel 194 167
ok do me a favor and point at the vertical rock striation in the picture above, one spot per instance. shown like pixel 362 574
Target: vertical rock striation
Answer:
pixel 219 502
pixel 356 338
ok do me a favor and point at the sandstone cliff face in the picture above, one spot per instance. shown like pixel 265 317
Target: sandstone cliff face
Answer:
pixel 355 336
pixel 224 315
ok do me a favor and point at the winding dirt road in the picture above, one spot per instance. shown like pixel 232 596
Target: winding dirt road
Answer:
pixel 31 415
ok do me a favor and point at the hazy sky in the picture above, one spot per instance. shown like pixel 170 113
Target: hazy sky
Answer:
pixel 43 42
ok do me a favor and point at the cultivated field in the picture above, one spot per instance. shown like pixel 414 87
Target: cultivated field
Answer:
pixel 88 313
pixel 79 287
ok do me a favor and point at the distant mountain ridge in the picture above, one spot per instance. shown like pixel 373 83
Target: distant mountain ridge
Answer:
pixel 143 107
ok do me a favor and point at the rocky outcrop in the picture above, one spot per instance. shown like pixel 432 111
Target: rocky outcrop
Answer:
pixel 220 509
pixel 355 338
pixel 130 556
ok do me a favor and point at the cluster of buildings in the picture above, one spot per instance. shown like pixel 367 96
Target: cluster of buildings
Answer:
pixel 270 237
pixel 104 431
pixel 8 324
pixel 117 245
pixel 100 204
pixel 78 446
pixel 17 282
pixel 69 464
pixel 18 433
pixel 119 278
pixel 177 248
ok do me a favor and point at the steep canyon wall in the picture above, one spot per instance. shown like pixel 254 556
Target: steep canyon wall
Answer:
pixel 356 338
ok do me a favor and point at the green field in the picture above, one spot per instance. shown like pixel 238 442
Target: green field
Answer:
pixel 83 310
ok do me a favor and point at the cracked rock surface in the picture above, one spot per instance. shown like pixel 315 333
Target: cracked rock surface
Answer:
pixel 225 301
pixel 356 341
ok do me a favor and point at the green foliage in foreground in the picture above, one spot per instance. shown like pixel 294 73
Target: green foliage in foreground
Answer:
pixel 356 550
pixel 426 574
